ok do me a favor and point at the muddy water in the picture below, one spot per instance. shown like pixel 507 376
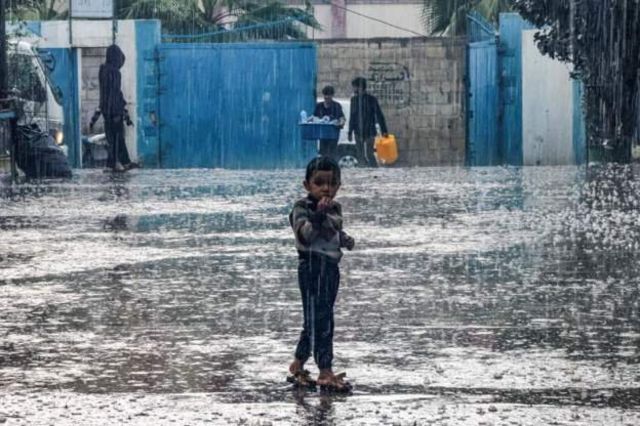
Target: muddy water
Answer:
pixel 491 295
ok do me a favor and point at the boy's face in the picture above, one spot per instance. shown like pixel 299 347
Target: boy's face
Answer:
pixel 328 98
pixel 357 90
pixel 322 184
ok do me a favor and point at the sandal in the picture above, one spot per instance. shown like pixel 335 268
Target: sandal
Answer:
pixel 302 378
pixel 337 384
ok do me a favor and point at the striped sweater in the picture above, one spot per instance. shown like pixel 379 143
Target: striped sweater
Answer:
pixel 318 232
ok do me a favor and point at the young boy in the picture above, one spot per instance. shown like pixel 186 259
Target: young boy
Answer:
pixel 317 225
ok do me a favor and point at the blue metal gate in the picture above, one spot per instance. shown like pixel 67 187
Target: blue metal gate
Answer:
pixel 235 105
pixel 483 144
pixel 511 27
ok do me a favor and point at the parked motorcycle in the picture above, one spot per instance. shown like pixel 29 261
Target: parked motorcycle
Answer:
pixel 38 155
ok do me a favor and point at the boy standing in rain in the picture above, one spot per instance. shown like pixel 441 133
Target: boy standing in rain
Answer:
pixel 317 225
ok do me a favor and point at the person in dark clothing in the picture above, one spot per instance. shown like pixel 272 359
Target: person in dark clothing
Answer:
pixel 333 110
pixel 365 112
pixel 317 225
pixel 112 108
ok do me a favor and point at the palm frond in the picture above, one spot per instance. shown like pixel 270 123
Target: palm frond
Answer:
pixel 36 10
pixel 288 21
pixel 449 16
pixel 177 17
pixel 437 14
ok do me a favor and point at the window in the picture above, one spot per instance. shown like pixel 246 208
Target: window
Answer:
pixel 25 79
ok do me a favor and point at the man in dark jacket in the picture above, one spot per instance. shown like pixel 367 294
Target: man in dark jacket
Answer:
pixel 112 107
pixel 365 113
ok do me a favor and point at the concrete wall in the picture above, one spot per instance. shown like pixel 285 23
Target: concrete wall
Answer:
pixel 420 85
pixel 547 107
pixel 405 20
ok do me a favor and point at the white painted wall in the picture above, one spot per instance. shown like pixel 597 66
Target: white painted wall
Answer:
pixel 402 15
pixel 126 39
pixel 99 34
pixel 547 107
pixel 85 33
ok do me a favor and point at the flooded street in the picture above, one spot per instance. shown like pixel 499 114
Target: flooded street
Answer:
pixel 486 296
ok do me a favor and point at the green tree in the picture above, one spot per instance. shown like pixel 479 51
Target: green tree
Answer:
pixel 193 16
pixel 36 10
pixel 600 38
pixel 176 16
pixel 449 16
pixel 251 13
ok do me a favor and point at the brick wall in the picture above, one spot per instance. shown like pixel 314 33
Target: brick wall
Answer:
pixel 92 58
pixel 420 85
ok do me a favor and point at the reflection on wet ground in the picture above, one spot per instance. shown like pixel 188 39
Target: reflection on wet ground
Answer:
pixel 488 295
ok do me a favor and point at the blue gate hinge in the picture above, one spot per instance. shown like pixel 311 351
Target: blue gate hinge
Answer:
pixel 503 50
pixel 149 56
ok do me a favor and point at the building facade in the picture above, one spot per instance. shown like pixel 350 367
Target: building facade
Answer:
pixel 366 18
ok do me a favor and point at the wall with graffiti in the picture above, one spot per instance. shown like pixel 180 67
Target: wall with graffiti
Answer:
pixel 419 83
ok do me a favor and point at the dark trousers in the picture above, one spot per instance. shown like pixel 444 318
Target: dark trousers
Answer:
pixel 329 148
pixel 116 147
pixel 364 151
pixel 319 280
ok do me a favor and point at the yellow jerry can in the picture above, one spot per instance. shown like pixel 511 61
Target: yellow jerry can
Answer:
pixel 386 149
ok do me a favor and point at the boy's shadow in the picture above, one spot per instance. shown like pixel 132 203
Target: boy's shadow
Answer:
pixel 316 408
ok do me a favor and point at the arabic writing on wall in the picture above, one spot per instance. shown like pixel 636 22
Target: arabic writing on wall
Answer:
pixel 390 82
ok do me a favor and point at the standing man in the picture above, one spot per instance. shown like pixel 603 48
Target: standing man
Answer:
pixel 333 110
pixel 365 113
pixel 112 107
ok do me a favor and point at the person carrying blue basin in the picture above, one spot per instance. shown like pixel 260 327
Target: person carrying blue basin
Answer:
pixel 333 110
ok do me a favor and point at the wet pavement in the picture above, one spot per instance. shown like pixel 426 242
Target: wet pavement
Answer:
pixel 495 296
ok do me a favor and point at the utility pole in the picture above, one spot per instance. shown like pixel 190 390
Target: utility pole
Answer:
pixel 6 105
pixel 339 18
pixel 4 82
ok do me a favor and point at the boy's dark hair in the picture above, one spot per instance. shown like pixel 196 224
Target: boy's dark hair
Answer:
pixel 324 164
pixel 328 91
pixel 359 82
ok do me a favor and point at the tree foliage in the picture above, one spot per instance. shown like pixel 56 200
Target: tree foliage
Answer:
pixel 600 38
pixel 35 10
pixel 449 16
pixel 193 16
